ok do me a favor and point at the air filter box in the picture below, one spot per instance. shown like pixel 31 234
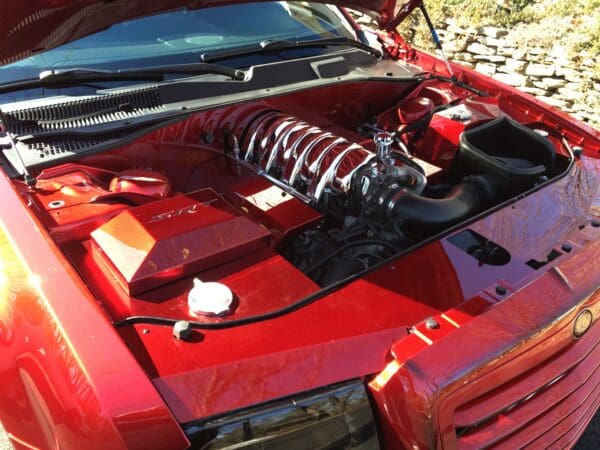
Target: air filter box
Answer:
pixel 160 242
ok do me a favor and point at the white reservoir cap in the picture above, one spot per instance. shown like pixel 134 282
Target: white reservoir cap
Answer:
pixel 209 299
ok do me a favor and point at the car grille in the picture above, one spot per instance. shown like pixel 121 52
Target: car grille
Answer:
pixel 547 406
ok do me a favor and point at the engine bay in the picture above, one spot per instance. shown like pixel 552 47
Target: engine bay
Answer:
pixel 292 195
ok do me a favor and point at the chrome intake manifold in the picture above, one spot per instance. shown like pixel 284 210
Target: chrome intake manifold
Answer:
pixel 296 154
pixel 298 157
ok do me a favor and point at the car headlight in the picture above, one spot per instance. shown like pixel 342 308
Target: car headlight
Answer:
pixel 336 417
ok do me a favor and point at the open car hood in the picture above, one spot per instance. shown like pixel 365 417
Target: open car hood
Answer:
pixel 33 26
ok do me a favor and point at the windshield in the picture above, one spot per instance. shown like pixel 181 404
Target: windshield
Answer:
pixel 182 36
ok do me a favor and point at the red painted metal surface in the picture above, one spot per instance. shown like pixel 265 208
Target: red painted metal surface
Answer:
pixel 67 377
pixel 492 360
pixel 522 107
pixel 393 298
pixel 140 182
pixel 73 200
pixel 441 139
pixel 70 377
pixel 164 241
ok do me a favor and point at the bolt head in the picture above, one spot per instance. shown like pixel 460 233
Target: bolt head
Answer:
pixel 208 138
pixel 432 324
pixel 501 290
pixel 582 324
pixel 182 330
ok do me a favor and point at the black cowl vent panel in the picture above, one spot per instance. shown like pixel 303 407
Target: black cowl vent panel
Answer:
pixel 51 121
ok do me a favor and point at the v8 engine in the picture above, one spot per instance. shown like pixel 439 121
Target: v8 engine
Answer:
pixel 342 178
pixel 324 170
pixel 336 198
pixel 377 197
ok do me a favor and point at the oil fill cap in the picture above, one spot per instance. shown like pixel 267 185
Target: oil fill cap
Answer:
pixel 209 299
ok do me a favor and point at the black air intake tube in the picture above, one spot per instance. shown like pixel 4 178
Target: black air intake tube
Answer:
pixel 423 214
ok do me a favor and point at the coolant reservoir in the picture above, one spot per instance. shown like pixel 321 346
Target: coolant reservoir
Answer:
pixel 209 299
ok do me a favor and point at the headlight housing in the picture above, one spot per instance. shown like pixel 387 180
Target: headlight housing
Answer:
pixel 336 417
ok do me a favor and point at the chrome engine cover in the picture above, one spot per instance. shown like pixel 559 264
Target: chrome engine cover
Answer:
pixel 308 160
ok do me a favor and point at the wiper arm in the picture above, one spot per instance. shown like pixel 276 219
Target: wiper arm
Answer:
pixel 151 73
pixel 73 77
pixel 278 45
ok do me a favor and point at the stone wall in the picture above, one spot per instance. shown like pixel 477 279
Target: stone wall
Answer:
pixel 567 82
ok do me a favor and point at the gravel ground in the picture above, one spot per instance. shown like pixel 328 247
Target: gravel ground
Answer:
pixel 589 441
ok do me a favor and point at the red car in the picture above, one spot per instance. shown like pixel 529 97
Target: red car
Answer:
pixel 259 226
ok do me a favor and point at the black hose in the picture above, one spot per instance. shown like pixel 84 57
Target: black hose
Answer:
pixel 420 213
pixel 437 190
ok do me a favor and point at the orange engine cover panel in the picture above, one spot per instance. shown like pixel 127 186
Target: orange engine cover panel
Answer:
pixel 154 244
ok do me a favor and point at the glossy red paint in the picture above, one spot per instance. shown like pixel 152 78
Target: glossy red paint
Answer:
pixel 440 142
pixel 67 377
pixel 140 182
pixel 155 244
pixel 522 107
pixel 73 200
pixel 511 354
pixel 73 378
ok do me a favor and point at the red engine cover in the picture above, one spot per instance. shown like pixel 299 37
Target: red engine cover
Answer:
pixel 160 242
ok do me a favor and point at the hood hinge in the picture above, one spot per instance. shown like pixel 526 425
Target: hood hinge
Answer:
pixel 395 46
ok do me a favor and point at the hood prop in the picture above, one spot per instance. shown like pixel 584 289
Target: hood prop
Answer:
pixel 436 41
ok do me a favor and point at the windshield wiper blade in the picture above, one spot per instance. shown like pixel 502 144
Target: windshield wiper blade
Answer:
pixel 278 45
pixel 75 76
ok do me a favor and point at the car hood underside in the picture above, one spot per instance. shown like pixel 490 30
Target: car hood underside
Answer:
pixel 32 27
